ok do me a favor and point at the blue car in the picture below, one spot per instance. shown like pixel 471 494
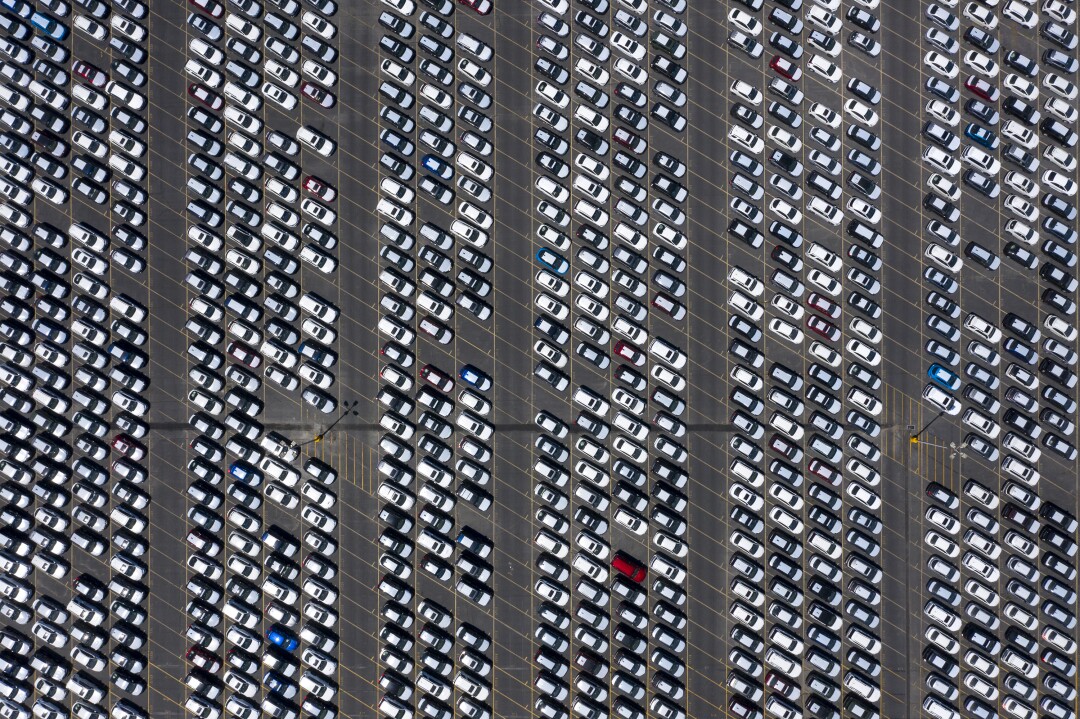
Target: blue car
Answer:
pixel 244 472
pixel 943 377
pixel 475 377
pixel 49 26
pixel 437 166
pixel 979 134
pixel 282 637
pixel 553 261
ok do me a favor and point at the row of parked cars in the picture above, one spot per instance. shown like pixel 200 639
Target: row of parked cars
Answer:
pixel 1013 147
pixel 808 549
pixel 435 233
pixel 609 206
pixel 63 321
pixel 1054 234
pixel 996 541
pixel 256 219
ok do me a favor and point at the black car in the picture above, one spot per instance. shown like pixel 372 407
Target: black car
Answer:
pixel 1022 63
pixel 941 207
pixel 982 39
pixel 1021 255
pixel 552 70
pixel 866 20
pixel 786 45
pixel 1060 132
pixel 942 89
pixel 1021 110
pixel 864 137
pixel 1058 59
pixel 1065 210
pixel 1058 35
pixel 591 23
pixel 982 111
pixel 1020 157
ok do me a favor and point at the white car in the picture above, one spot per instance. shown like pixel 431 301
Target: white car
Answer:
pixel 824 19
pixel 1021 208
pixel 1061 109
pixel 940 110
pixel 744 21
pixel 746 91
pixel 746 139
pixel 635 50
pixel 944 187
pixel 784 138
pixel 981 15
pixel 1020 14
pixel 824 68
pixel 981 63
pixel 863 351
pixel 785 330
pixel 865 210
pixel 861 112
pixel 1060 157
pixel 825 115
pixel 785 211
pixel 1023 136
pixel 1059 86
pixel 941 65
pixel 1021 86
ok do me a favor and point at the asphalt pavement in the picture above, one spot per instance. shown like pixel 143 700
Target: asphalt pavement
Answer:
pixel 503 346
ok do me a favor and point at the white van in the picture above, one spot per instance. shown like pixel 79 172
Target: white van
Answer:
pixel 938 709
pixel 317 141
pixel 280 446
pixel 783 662
pixel 748 474
pixel 549 542
pixel 941 399
pixel 868 691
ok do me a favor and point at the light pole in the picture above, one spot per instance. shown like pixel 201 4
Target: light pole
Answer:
pixel 349 408
pixel 915 437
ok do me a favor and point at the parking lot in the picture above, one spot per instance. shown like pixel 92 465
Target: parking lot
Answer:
pixel 580 358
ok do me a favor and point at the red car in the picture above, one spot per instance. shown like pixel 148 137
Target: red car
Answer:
pixel 318 95
pixel 785 67
pixel 629 140
pixel 126 446
pixel 88 72
pixel 823 328
pixel 244 354
pixel 785 448
pixel 628 351
pixel 211 7
pixel 629 566
pixel 482 7
pixel 437 378
pixel 825 470
pixel 982 88
pixel 823 305
pixel 206 96
pixel 202 658
pixel 319 188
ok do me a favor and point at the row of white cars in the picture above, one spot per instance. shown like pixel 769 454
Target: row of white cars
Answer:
pixel 436 233
pixel 805 481
pixel 258 216
pixel 1015 551
pixel 610 250
pixel 77 327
